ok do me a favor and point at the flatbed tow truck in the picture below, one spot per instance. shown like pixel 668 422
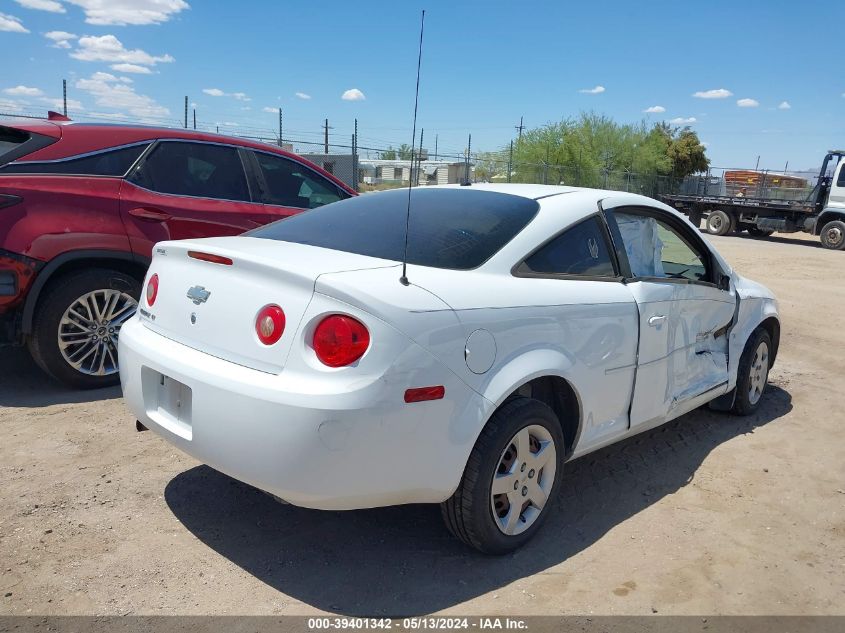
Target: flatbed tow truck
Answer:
pixel 821 213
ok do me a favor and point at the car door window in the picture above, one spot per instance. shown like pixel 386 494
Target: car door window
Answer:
pixel 115 162
pixel 580 250
pixel 202 170
pixel 656 249
pixel 290 184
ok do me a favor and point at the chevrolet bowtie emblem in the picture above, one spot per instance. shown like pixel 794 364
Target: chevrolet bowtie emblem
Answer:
pixel 198 294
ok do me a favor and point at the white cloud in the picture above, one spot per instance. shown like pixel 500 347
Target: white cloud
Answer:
pixel 216 92
pixel 61 39
pixel 302 95
pixel 123 12
pixel 58 104
pixel 8 105
pixel 784 105
pixel 353 94
pixel 42 5
pixel 11 24
pixel 683 121
pixel 107 48
pixel 747 103
pixel 111 92
pixel 718 93
pixel 131 68
pixel 593 91
pixel 23 91
pixel 655 110
pixel 269 109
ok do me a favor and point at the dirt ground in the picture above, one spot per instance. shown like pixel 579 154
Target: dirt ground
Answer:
pixel 709 514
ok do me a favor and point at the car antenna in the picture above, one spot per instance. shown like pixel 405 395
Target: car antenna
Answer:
pixel 404 278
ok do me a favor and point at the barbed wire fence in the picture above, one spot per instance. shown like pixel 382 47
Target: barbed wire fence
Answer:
pixel 377 164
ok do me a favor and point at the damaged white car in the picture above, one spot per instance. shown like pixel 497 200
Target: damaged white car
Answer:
pixel 535 324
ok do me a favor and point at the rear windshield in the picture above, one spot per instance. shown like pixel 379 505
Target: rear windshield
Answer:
pixel 457 229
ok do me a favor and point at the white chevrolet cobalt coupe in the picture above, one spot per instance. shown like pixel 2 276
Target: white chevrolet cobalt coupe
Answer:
pixel 535 324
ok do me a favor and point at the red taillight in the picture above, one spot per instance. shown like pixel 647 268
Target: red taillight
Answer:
pixel 270 324
pixel 152 290
pixel 425 393
pixel 210 257
pixel 340 340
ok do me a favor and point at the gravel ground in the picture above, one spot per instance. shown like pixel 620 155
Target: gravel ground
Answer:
pixel 709 514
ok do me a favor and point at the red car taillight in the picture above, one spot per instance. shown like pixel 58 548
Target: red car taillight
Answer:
pixel 340 340
pixel 152 290
pixel 270 324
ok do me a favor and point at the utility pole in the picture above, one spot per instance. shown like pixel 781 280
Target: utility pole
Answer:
pixel 355 157
pixel 186 112
pixel 436 136
pixel 469 149
pixel 519 128
pixel 326 129
pixel 419 156
pixel 195 118
pixel 757 166
pixel 510 162
pixel 280 127
pixel 64 95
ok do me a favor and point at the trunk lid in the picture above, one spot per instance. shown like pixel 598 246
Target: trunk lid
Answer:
pixel 219 317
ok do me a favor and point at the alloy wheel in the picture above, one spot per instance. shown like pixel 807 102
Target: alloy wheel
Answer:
pixel 89 330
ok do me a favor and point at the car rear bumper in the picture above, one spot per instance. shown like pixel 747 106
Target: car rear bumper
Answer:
pixel 359 448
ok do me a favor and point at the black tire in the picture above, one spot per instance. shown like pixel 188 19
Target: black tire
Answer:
pixel 833 235
pixel 57 297
pixel 743 404
pixel 468 513
pixel 755 231
pixel 720 223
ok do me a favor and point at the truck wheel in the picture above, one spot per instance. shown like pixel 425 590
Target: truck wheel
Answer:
pixel 511 478
pixel 753 372
pixel 719 223
pixel 77 323
pixel 758 232
pixel 833 235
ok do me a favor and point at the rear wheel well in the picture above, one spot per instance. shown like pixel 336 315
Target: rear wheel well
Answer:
pixel 50 275
pixel 557 394
pixel 772 326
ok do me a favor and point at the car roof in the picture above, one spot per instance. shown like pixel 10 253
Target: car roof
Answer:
pixel 82 138
pixel 534 192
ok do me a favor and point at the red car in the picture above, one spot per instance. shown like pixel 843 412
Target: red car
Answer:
pixel 81 206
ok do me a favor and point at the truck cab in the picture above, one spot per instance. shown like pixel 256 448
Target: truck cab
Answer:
pixel 830 223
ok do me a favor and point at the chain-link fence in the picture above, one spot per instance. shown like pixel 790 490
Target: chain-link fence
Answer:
pixel 370 166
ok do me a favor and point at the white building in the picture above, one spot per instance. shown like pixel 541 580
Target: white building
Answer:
pixel 431 172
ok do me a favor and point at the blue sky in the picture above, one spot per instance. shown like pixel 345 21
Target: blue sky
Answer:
pixel 769 68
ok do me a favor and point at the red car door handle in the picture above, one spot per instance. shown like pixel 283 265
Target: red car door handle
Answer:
pixel 147 213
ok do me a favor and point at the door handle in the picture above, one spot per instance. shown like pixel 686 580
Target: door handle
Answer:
pixel 148 213
pixel 656 320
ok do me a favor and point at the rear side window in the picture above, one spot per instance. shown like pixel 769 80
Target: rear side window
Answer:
pixel 15 143
pixel 290 184
pixel 581 250
pixel 115 162
pixel 457 229
pixel 200 170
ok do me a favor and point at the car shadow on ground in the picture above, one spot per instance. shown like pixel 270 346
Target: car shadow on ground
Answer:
pixel 23 384
pixel 401 560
